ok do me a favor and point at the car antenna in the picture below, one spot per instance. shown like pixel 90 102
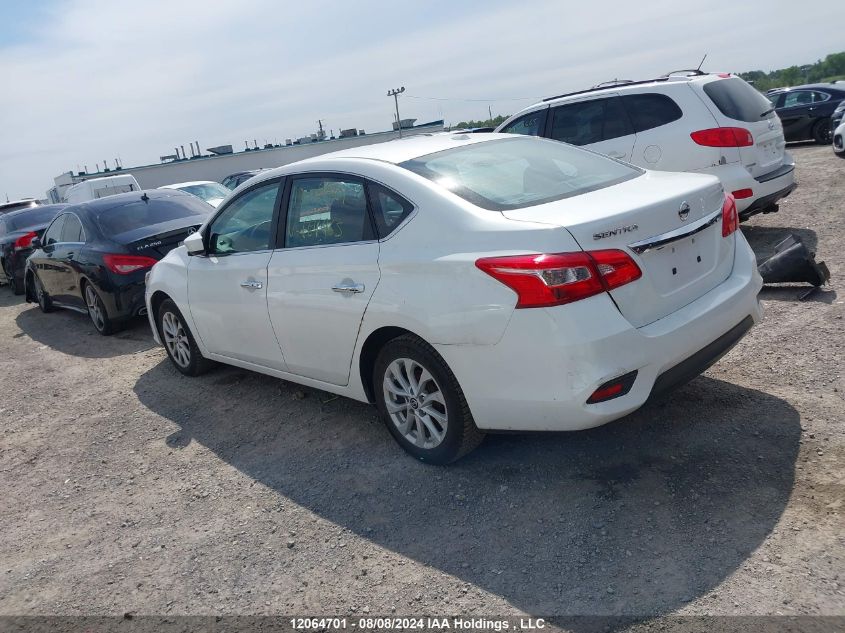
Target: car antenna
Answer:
pixel 145 197
pixel 702 61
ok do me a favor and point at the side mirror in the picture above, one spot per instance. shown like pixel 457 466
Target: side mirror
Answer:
pixel 194 244
pixel 36 243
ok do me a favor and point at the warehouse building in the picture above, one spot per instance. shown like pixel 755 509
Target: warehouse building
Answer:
pixel 216 167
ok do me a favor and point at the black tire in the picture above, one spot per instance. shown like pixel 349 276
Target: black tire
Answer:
pixel 197 363
pixel 97 311
pixel 839 144
pixel 14 285
pixel 822 134
pixel 461 434
pixel 41 296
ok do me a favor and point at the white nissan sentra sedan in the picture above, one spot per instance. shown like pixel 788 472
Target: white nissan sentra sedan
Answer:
pixel 464 284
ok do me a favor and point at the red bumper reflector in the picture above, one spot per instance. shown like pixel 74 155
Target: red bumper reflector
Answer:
pixel 613 388
pixel 741 194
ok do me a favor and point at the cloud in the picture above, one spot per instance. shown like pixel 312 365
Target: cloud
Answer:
pixel 98 78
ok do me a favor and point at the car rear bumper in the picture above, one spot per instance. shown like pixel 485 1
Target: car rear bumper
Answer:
pixel 767 188
pixel 550 361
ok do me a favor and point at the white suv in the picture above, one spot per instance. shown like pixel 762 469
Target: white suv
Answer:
pixel 687 121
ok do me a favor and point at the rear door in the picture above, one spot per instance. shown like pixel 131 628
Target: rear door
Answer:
pixel 321 281
pixel 734 103
pixel 227 288
pixel 597 124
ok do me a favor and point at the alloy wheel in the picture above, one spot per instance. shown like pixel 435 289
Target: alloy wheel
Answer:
pixel 415 403
pixel 95 308
pixel 176 339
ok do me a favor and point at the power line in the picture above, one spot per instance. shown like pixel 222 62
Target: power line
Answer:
pixel 481 100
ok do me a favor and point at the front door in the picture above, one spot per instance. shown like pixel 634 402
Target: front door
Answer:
pixel 321 281
pixel 45 260
pixel 227 287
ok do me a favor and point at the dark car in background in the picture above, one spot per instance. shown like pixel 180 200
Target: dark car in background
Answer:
pixel 806 111
pixel 94 256
pixel 17 231
pixel 239 177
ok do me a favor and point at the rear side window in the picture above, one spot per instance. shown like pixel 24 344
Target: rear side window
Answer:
pixel 589 122
pixel 737 100
pixel 72 229
pixel 519 172
pixel 650 110
pixel 389 209
pixel 530 124
pixel 135 215
pixel 54 232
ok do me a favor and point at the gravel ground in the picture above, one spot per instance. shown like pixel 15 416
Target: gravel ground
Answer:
pixel 129 488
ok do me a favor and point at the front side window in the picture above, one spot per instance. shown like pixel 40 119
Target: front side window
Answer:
pixel 519 172
pixel 245 224
pixel 53 234
pixel 798 98
pixel 589 122
pixel 650 110
pixel 72 229
pixel 530 124
pixel 389 209
pixel 327 210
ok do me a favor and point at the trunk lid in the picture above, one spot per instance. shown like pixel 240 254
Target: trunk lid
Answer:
pixel 643 210
pixel 158 240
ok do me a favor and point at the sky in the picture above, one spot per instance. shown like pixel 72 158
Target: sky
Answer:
pixel 85 81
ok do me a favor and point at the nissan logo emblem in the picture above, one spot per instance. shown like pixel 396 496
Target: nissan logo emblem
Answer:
pixel 683 212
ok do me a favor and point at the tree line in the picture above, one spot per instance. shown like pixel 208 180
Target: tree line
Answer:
pixel 828 69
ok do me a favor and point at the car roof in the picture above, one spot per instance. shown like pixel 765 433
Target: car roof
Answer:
pixel 41 207
pixel 14 203
pixel 120 199
pixel 176 185
pixel 401 150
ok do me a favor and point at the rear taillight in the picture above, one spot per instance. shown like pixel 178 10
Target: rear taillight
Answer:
pixel 723 137
pixel 730 220
pixel 25 241
pixel 550 280
pixel 125 264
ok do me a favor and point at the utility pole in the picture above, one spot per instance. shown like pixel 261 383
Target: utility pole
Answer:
pixel 395 94
pixel 490 112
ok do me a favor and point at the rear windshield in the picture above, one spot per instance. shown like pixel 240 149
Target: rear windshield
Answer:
pixel 519 172
pixel 135 215
pixel 210 191
pixel 737 100
pixel 32 218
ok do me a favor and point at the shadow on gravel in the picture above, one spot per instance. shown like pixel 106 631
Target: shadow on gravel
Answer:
pixel 763 239
pixel 636 517
pixel 72 333
pixel 798 293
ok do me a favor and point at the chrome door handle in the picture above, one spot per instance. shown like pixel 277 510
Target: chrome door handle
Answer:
pixel 252 285
pixel 351 288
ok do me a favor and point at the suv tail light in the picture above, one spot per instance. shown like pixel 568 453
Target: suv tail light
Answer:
pixel 723 137
pixel 25 241
pixel 125 264
pixel 730 220
pixel 550 280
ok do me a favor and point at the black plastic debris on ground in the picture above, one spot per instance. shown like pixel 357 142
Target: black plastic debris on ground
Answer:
pixel 793 262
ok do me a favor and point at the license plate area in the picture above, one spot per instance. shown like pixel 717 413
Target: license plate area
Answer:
pixel 676 266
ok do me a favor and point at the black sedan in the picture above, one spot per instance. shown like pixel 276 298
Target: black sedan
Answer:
pixel 805 111
pixel 94 255
pixel 17 230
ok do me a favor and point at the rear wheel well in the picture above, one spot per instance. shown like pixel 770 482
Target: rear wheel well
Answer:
pixel 370 351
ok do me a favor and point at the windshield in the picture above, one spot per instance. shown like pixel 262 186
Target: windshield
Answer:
pixel 519 172
pixel 210 191
pixel 134 215
pixel 34 217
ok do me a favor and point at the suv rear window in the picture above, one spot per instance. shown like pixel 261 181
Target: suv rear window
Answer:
pixel 519 172
pixel 650 110
pixel 737 100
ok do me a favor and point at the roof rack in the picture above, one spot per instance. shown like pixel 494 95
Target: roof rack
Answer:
pixel 695 72
pixel 613 82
